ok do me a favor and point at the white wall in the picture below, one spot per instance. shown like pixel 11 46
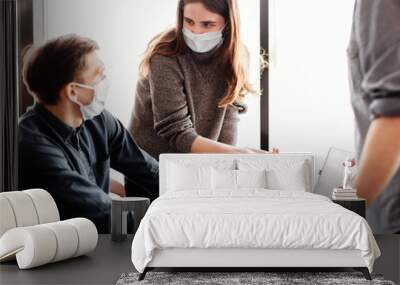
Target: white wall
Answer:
pixel 309 92
pixel 249 126
pixel 123 29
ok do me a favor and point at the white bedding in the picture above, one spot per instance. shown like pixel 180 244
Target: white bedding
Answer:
pixel 251 218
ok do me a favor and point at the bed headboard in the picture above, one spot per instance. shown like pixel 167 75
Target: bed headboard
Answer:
pixel 229 159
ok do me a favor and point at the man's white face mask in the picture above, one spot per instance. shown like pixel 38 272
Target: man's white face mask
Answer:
pixel 202 42
pixel 99 99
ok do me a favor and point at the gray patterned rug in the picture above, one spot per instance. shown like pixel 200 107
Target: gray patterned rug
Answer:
pixel 243 278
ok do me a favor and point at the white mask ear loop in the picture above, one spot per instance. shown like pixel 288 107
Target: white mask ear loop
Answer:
pixel 97 105
pixel 83 85
pixel 75 98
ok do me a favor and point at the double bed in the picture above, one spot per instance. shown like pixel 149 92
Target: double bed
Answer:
pixel 247 211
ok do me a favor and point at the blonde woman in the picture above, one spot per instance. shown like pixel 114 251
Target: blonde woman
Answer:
pixel 193 81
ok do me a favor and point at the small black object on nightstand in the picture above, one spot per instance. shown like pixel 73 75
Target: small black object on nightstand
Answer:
pixel 356 205
pixel 120 206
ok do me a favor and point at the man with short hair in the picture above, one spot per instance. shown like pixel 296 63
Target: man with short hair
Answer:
pixel 67 141
pixel 374 57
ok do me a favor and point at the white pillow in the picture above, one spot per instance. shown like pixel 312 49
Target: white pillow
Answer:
pixel 223 179
pixel 182 178
pixel 226 179
pixel 294 178
pixel 251 178
pixel 282 174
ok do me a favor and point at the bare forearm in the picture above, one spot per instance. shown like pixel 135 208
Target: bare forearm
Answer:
pixel 380 158
pixel 204 145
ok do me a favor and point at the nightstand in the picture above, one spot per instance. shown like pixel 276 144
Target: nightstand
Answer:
pixel 357 205
pixel 120 207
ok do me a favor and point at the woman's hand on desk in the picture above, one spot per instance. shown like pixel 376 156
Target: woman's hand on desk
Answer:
pixel 254 150
pixel 205 145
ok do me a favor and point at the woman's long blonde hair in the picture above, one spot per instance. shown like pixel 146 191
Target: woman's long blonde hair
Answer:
pixel 233 54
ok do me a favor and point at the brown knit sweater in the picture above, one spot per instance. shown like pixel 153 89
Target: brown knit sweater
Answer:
pixel 178 101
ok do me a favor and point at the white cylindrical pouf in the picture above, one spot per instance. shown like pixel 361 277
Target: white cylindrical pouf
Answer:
pixel 45 205
pixel 23 207
pixel 34 246
pixel 67 240
pixel 87 234
pixel 31 232
pixel 7 217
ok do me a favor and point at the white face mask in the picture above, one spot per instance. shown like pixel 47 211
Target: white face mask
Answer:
pixel 202 42
pixel 99 99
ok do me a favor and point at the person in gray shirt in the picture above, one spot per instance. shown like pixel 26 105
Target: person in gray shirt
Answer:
pixel 374 62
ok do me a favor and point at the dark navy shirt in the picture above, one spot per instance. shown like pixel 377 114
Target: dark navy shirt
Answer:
pixel 73 165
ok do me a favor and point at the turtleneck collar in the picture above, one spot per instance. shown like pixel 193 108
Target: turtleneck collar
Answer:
pixel 205 57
